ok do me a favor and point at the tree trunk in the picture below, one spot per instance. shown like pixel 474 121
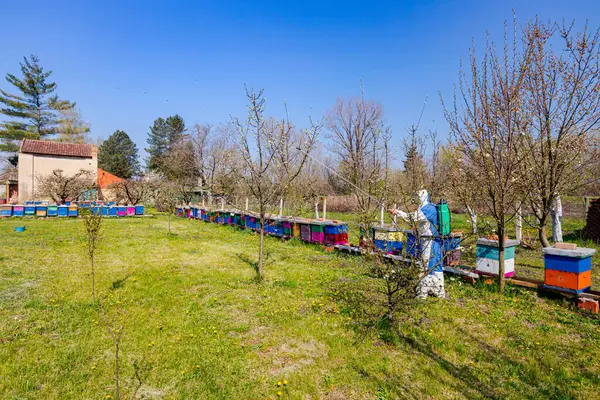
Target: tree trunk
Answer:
pixel 259 268
pixel 542 234
pixel 117 395
pixel 93 279
pixel 501 246
pixel 473 218
pixel 519 224
pixel 169 223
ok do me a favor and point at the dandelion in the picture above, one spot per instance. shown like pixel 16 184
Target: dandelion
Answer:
pixel 182 372
pixel 279 383
pixel 285 382
pixel 279 393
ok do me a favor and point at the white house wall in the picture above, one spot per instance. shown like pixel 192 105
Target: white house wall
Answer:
pixel 32 166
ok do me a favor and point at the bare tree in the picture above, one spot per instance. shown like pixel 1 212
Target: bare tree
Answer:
pixel 488 129
pixel 180 167
pixel 360 145
pixel 563 102
pixel 268 170
pixel 60 187
pixel 115 329
pixel 93 230
pixel 133 191
pixel 166 198
pixel 459 182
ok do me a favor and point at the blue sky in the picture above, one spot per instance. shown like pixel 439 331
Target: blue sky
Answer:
pixel 127 63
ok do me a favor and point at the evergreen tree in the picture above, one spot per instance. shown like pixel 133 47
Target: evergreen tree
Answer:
pixel 33 112
pixel 176 128
pixel 119 155
pixel 163 135
pixel 158 143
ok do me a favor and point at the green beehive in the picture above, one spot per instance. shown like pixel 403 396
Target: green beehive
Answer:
pixel 316 228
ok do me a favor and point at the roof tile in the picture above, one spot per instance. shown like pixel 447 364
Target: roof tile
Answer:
pixel 56 148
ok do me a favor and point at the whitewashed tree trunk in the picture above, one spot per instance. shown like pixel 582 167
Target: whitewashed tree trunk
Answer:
pixel 280 207
pixel 519 224
pixel 324 207
pixel 556 215
pixel 382 215
pixel 317 210
pixel 473 218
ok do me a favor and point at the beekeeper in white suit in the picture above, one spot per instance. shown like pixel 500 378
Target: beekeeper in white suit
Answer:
pixel 426 218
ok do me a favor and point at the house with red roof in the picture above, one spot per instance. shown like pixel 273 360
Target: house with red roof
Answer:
pixel 38 158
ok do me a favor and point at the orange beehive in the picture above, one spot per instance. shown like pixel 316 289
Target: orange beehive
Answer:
pixel 568 280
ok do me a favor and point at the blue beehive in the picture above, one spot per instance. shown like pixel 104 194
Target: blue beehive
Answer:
pixel 73 210
pixel 63 211
pixel 95 210
pixel 52 211
pixel 18 211
pixel 139 210
pixel 105 211
pixel 413 247
pixel 30 210
pixel 112 211
pixel 568 270
pixel 6 210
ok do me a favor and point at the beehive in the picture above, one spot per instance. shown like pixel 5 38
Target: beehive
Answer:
pixel 317 233
pixel 29 210
pixel 41 211
pixel 18 211
pixel 63 211
pixel 130 211
pixel 568 270
pixel 52 211
pixel 305 233
pixel 452 252
pixel 388 239
pixel 105 211
pixel 335 234
pixel 113 211
pixel 6 210
pixel 73 210
pixel 121 211
pixel 296 230
pixel 487 261
pixel 139 210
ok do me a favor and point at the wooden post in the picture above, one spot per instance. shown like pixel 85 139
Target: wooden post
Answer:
pixel 324 207
pixel 317 210
pixel 519 223
pixel 246 204
pixel 280 207
pixel 395 217
pixel 381 217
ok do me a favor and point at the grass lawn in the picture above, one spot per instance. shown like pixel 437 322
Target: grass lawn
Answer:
pixel 194 314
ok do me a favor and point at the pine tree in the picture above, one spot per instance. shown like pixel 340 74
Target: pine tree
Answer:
pixel 119 155
pixel 158 141
pixel 176 128
pixel 33 112
pixel 163 135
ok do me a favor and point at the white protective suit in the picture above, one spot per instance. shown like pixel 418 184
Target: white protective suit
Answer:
pixel 433 283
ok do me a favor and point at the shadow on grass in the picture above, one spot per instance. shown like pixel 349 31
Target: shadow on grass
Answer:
pixel 119 283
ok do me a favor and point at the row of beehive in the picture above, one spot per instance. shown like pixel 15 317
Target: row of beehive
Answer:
pixel 49 210
pixel 312 231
